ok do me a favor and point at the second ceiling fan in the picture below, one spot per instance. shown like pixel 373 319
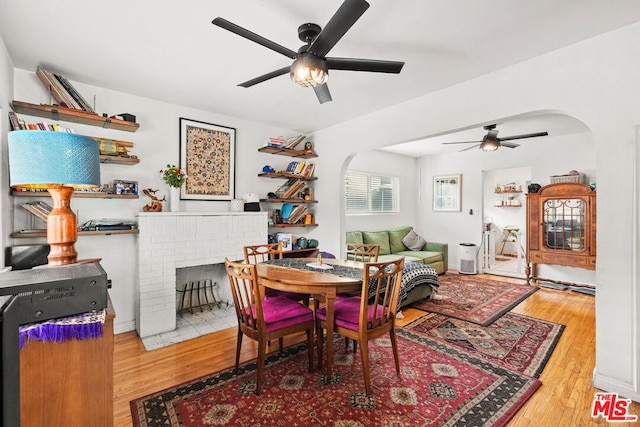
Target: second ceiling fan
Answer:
pixel 311 65
pixel 491 142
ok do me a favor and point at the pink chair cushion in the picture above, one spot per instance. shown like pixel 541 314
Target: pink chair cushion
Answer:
pixel 347 313
pixel 281 312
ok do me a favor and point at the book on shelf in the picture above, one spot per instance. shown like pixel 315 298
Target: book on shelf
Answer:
pixel 277 142
pixel 294 189
pixel 39 209
pixel 308 170
pixel 293 142
pixel 297 214
pixel 79 100
pixel 63 91
pixel 14 121
pixel 55 89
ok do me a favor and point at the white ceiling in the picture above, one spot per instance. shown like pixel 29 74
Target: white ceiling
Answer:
pixel 170 51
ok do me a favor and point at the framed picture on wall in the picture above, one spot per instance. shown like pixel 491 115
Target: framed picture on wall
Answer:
pixel 446 193
pixel 207 155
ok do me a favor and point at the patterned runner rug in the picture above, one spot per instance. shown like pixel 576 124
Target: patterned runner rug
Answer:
pixel 475 300
pixel 440 384
pixel 515 341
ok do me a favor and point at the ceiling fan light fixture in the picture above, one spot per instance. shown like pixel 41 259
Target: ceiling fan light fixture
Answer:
pixel 309 70
pixel 489 145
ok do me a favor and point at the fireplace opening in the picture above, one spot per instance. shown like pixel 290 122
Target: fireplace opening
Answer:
pixel 202 287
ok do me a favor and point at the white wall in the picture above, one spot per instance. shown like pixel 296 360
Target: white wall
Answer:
pixel 156 144
pixel 594 81
pixel 387 164
pixel 6 95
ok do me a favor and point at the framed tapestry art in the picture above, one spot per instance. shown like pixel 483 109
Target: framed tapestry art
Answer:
pixel 446 193
pixel 207 155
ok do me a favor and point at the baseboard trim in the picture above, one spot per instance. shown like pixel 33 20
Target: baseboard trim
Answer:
pixel 120 328
pixel 611 385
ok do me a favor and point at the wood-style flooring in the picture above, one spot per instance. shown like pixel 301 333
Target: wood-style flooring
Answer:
pixel 564 399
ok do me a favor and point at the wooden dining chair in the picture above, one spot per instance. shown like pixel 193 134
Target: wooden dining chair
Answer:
pixel 363 252
pixel 255 254
pixel 264 319
pixel 369 315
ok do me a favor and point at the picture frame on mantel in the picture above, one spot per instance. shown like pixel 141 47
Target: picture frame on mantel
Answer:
pixel 207 155
pixel 446 193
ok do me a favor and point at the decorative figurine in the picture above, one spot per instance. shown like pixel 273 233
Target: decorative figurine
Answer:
pixel 308 146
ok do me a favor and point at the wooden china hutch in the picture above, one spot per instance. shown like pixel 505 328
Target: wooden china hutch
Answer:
pixel 561 227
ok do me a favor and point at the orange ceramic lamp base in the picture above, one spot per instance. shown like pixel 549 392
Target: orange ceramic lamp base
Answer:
pixel 62 230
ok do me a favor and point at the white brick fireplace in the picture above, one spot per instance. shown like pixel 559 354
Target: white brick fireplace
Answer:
pixel 170 240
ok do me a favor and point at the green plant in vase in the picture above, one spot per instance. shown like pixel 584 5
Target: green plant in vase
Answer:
pixel 175 178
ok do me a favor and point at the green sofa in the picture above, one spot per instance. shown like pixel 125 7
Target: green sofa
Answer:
pixel 392 247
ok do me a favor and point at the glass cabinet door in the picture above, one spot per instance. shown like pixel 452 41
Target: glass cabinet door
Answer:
pixel 564 224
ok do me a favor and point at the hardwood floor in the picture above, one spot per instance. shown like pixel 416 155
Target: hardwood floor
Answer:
pixel 564 399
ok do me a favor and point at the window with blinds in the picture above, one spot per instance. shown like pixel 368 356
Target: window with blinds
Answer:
pixel 366 193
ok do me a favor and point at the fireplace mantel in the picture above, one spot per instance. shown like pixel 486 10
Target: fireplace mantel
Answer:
pixel 170 240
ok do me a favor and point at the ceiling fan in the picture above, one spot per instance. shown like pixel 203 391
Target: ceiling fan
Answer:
pixel 491 142
pixel 311 65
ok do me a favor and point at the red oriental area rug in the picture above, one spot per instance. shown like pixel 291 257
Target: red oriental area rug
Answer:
pixel 515 341
pixel 469 298
pixel 439 385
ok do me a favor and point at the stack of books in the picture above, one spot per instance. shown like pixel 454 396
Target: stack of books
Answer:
pixel 301 168
pixel 18 123
pixel 63 91
pixel 291 189
pixel 39 209
pixel 277 142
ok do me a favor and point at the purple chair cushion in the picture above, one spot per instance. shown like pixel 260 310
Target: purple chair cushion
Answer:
pixel 281 312
pixel 347 313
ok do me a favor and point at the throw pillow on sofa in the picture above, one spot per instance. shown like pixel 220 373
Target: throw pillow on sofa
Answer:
pixel 378 238
pixel 413 241
pixel 395 238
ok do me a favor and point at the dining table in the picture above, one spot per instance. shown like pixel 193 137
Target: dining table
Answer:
pixel 306 275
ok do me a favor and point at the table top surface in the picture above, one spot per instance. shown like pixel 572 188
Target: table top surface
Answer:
pixel 286 274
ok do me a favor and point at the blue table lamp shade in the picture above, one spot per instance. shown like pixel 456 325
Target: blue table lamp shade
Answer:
pixel 38 158
pixel 59 162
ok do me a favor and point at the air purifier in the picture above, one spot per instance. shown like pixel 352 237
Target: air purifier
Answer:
pixel 467 255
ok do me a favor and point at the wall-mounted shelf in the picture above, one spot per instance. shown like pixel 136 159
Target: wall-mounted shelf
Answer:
pixel 286 175
pixel 119 160
pixel 76 194
pixel 298 224
pixel 288 152
pixel 55 112
pixel 288 201
pixel 31 234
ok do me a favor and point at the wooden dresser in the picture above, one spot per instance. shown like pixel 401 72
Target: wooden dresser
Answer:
pixel 68 384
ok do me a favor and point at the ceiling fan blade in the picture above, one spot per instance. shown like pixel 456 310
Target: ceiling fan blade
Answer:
pixel 526 135
pixel 242 32
pixel 322 92
pixel 371 65
pixel 265 77
pixel 465 142
pixel 344 18
pixel 509 144
pixel 470 148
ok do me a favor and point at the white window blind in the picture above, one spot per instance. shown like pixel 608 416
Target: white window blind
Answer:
pixel 366 193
